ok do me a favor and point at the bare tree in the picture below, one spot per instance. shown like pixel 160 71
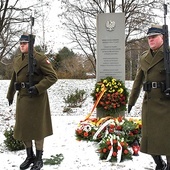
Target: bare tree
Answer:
pixel 14 19
pixel 79 17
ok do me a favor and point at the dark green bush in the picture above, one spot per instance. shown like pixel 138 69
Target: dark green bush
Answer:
pixel 11 143
pixel 75 99
pixel 54 160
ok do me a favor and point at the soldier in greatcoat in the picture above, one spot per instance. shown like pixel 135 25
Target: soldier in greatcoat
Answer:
pixel 33 117
pixel 156 106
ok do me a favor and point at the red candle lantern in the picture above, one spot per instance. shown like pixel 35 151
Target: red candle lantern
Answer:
pixel 135 148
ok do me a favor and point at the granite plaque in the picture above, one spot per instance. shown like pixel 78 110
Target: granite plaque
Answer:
pixel 110 49
pixel 110 46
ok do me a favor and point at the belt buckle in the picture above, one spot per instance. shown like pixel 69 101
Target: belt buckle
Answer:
pixel 154 85
pixel 22 85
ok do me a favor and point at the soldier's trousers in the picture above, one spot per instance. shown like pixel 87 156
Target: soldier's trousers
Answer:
pixel 38 144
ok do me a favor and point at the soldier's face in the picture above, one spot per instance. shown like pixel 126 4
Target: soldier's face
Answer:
pixel 24 47
pixel 155 41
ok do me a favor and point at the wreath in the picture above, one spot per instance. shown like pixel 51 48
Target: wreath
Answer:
pixel 114 97
pixel 116 137
pixel 112 148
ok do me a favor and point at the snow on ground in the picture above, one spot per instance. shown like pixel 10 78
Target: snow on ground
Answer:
pixel 78 155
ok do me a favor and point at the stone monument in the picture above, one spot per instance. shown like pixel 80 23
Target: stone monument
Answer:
pixel 110 48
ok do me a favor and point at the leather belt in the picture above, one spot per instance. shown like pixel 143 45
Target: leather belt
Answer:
pixel 155 84
pixel 21 85
pixel 147 86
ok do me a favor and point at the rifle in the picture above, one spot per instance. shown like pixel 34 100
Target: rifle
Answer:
pixel 31 59
pixel 166 54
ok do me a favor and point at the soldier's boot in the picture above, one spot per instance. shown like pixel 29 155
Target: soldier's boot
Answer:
pixel 160 163
pixel 38 164
pixel 29 159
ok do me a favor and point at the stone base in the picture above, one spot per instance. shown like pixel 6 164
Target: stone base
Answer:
pixel 101 113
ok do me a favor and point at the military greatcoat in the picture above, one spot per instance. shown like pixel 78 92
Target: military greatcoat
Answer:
pixel 155 107
pixel 33 117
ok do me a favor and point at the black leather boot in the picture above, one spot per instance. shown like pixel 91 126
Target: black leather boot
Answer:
pixel 29 159
pixel 160 163
pixel 38 164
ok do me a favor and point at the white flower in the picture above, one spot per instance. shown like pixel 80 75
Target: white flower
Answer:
pixel 112 122
pixel 87 128
pixel 122 139
pixel 120 123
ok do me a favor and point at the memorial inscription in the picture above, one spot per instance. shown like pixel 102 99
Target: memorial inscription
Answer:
pixel 110 46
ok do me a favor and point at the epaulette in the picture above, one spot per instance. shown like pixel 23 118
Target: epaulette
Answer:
pixel 144 53
pixel 16 56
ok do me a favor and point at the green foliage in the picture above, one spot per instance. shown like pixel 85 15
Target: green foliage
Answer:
pixel 65 52
pixel 41 49
pixel 54 160
pixel 75 99
pixel 62 55
pixel 11 143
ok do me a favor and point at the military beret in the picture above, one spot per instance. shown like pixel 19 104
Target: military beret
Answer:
pixel 155 30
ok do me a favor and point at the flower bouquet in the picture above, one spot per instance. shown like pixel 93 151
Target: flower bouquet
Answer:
pixel 116 136
pixel 86 130
pixel 115 96
pixel 128 129
pixel 112 148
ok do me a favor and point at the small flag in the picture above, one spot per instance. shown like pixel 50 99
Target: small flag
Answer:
pixel 48 61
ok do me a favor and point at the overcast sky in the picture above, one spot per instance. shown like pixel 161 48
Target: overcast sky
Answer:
pixel 50 31
pixel 56 34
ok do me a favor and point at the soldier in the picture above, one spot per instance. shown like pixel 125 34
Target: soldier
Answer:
pixel 33 117
pixel 156 106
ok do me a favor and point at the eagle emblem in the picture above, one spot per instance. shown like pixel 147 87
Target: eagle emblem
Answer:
pixel 110 25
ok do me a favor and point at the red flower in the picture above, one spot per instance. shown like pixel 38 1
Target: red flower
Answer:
pixel 125 152
pixel 130 133
pixel 114 141
pixel 104 150
pixel 111 130
pixel 118 128
pixel 86 134
pixel 109 147
pixel 120 119
pixel 135 131
pixel 79 131
pixel 108 142
pixel 114 154
pixel 118 147
pixel 111 126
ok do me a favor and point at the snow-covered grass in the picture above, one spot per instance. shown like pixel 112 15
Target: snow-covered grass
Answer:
pixel 78 155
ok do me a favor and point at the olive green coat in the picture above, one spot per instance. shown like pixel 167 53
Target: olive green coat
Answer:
pixel 33 117
pixel 155 107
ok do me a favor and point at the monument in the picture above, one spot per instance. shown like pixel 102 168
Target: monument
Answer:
pixel 110 48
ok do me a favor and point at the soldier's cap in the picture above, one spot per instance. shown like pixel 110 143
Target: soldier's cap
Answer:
pixel 24 38
pixel 155 30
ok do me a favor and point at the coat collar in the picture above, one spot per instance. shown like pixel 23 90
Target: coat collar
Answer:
pixel 157 57
pixel 20 64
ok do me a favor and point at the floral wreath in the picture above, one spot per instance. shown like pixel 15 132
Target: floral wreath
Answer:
pixel 116 136
pixel 115 96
